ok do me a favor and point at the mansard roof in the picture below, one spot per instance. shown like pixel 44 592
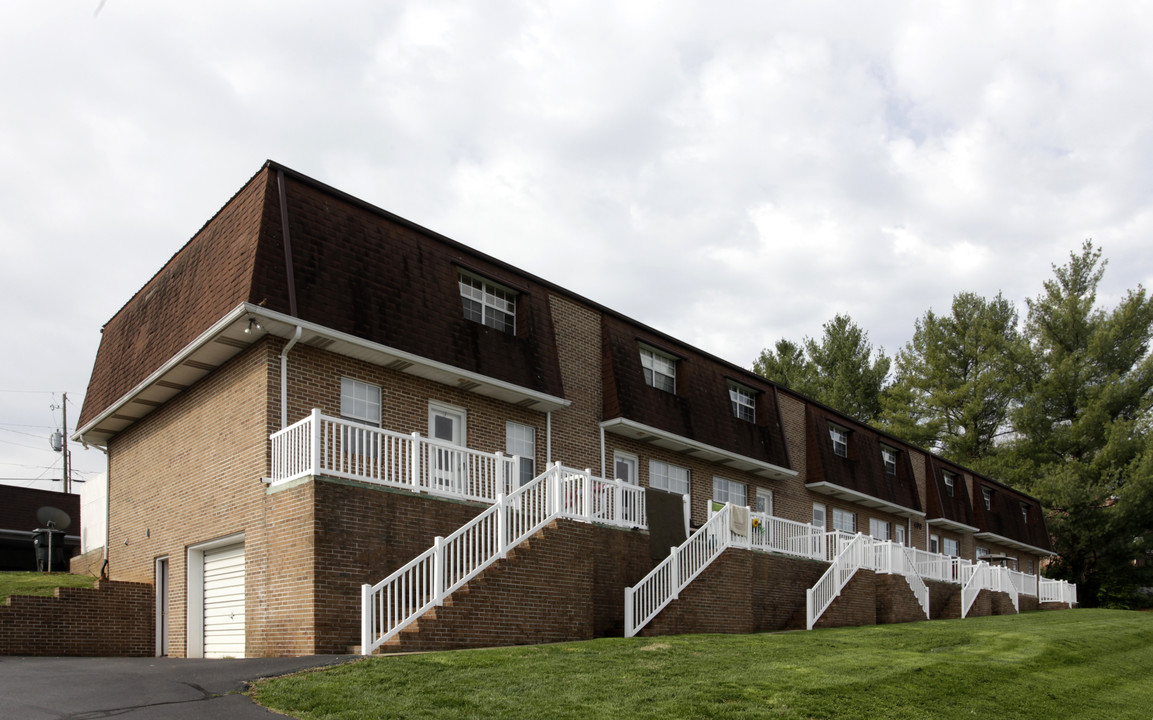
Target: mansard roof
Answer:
pixel 1004 522
pixel 951 511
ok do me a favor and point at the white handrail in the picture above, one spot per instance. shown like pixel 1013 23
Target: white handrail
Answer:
pixel 852 557
pixel 666 581
pixel 1056 591
pixel 916 582
pixel 973 586
pixel 395 602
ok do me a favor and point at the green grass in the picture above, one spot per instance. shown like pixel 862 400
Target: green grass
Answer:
pixel 34 583
pixel 1067 664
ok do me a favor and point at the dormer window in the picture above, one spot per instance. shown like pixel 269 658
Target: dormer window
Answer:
pixel 840 438
pixel 889 458
pixel 950 483
pixel 660 370
pixel 1025 512
pixel 987 494
pixel 744 403
pixel 488 304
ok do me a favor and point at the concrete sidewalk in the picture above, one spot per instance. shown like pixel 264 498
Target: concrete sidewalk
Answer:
pixel 43 688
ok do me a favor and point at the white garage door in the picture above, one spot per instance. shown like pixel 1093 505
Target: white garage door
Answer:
pixel 224 602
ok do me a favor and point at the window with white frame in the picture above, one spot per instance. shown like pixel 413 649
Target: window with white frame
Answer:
pixel 660 370
pixel 987 494
pixel 520 440
pixel 844 520
pixel 951 547
pixel 934 544
pixel 744 403
pixel 889 458
pixel 1029 566
pixel 982 552
pixel 879 529
pixel 840 438
pixel 819 515
pixel 1025 512
pixel 488 304
pixel 664 476
pixel 764 501
pixel 359 402
pixel 730 491
pixel 950 482
pixel 899 534
pixel 625 467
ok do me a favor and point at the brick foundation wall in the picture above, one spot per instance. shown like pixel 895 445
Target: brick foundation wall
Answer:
pixel 896 602
pixel 114 619
pixel 856 605
pixel 944 600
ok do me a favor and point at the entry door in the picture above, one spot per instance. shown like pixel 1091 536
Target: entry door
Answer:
pixel 447 465
pixel 161 607
pixel 224 602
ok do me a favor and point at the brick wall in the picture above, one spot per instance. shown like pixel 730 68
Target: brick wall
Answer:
pixel 896 602
pixel 944 600
pixel 112 619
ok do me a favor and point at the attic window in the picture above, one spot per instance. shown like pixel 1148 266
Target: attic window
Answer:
pixel 488 304
pixel 950 482
pixel 744 403
pixel 889 458
pixel 988 495
pixel 840 437
pixel 660 370
pixel 1025 512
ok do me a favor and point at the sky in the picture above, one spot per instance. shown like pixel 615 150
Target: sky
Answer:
pixel 730 173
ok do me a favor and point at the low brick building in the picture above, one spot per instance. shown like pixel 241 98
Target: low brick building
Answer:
pixel 313 390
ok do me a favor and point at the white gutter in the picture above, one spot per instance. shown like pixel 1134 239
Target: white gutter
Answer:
pixel 284 376
pixel 953 525
pixel 1015 544
pixel 863 498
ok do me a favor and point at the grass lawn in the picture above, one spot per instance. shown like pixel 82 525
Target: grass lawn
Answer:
pixel 34 583
pixel 1045 665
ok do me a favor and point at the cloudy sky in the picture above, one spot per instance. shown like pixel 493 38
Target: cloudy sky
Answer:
pixel 728 172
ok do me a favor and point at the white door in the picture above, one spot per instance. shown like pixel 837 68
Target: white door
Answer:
pixel 161 607
pixel 447 424
pixel 224 602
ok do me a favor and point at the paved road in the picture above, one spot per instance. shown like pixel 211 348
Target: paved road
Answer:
pixel 36 688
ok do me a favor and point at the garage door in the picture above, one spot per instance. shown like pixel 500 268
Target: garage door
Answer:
pixel 224 602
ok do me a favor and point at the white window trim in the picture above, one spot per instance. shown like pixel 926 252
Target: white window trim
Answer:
pixel 950 480
pixel 844 513
pixel 650 355
pixel 987 497
pixel 824 524
pixel 489 299
pixel 742 398
pixel 935 540
pixel 351 413
pixel 839 435
pixel 728 490
pixel 768 495
pixel 886 453
pixel 884 526
pixel 667 477
pixel 955 543
pixel 525 453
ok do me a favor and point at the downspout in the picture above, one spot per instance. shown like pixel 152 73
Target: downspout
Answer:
pixel 548 438
pixel 284 377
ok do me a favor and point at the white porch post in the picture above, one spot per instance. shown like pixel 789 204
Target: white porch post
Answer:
pixel 501 525
pixel 438 570
pixel 587 491
pixel 414 469
pixel 365 618
pixel 315 464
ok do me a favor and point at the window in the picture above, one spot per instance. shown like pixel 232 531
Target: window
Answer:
pixel 987 494
pixel 1029 566
pixel 951 547
pixel 950 482
pixel 840 438
pixel 728 491
pixel 520 440
pixel 668 477
pixel 660 370
pixel 982 552
pixel 899 534
pixel 1024 512
pixel 889 458
pixel 934 544
pixel 360 401
pixel 819 516
pixel 844 520
pixel 764 501
pixel 744 403
pixel 625 467
pixel 488 304
pixel 879 529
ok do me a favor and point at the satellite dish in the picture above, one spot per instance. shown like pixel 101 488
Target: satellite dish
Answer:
pixel 53 516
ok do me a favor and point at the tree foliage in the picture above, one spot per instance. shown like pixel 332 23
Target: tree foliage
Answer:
pixel 956 380
pixel 841 370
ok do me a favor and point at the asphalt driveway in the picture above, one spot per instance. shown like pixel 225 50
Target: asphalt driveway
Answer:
pixel 42 688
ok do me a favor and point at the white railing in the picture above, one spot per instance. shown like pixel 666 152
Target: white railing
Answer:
pixel 942 568
pixel 1025 583
pixel 594 499
pixel 854 555
pixel 901 562
pixel 320 444
pixel 774 534
pixel 975 580
pixel 395 602
pixel 666 581
pixel 1056 591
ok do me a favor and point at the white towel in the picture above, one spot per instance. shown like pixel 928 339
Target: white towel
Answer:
pixel 739 519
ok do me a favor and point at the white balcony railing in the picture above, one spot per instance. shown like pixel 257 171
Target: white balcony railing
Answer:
pixel 1056 591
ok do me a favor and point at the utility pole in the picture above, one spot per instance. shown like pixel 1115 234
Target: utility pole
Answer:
pixel 67 464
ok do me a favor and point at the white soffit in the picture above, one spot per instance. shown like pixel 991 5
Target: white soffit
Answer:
pixel 843 493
